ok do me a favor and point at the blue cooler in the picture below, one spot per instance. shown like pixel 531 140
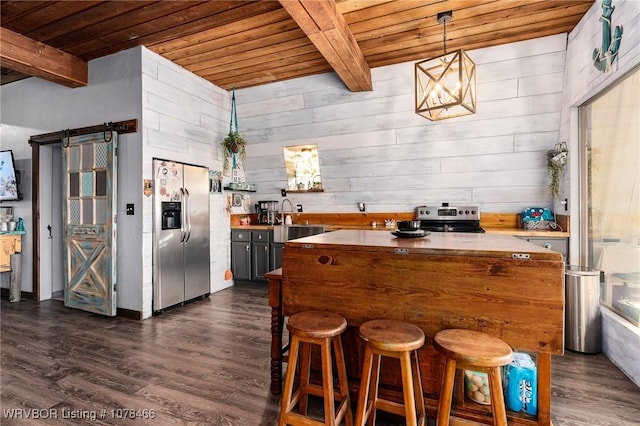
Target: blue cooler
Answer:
pixel 521 384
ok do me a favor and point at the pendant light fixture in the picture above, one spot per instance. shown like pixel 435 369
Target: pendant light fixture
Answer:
pixel 446 85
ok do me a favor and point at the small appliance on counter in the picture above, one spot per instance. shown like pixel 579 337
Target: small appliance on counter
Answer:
pixel 267 211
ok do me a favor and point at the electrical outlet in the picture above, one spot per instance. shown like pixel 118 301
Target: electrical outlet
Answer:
pixel 361 206
pixel 299 208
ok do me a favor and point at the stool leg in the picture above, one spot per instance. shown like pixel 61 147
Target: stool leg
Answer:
pixel 305 372
pixel 373 391
pixel 342 380
pixel 417 386
pixel 327 383
pixel 446 393
pixel 286 405
pixel 497 401
pixel 365 382
pixel 407 389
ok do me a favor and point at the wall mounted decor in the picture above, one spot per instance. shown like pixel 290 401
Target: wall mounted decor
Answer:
pixel 556 160
pixel 302 165
pixel 604 57
pixel 148 187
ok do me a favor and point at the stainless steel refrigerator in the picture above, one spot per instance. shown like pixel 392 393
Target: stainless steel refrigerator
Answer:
pixel 180 233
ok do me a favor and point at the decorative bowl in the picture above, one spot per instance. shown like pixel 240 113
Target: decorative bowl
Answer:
pixel 408 225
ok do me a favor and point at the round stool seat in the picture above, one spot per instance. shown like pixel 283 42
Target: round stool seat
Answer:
pixel 392 335
pixel 316 324
pixel 473 347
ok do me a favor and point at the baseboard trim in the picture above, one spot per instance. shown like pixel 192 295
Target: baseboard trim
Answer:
pixel 4 292
pixel 130 314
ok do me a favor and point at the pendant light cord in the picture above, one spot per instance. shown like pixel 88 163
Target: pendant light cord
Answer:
pixel 444 36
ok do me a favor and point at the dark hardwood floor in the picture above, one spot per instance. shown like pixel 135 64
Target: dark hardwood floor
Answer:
pixel 205 363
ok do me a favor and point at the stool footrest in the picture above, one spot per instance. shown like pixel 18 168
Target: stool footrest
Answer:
pixel 457 421
pixel 318 390
pixel 390 406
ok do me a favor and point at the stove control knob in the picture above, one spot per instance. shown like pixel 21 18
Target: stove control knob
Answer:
pixel 466 212
pixel 460 212
pixel 473 212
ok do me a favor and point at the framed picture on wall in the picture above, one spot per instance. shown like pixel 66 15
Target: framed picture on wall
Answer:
pixel 215 186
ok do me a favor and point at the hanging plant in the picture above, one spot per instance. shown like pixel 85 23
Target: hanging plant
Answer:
pixel 556 159
pixel 234 145
pixel 234 148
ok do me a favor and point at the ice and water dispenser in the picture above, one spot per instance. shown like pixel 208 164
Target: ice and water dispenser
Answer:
pixel 171 215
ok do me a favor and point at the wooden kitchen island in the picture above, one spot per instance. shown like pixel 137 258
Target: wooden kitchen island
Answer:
pixel 497 284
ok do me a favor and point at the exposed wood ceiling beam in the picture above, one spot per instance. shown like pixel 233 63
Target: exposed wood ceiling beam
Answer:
pixel 328 31
pixel 37 59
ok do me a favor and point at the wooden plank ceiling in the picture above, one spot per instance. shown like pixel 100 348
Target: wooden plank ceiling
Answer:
pixel 249 43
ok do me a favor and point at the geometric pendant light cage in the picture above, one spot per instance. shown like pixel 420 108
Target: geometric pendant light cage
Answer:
pixel 445 85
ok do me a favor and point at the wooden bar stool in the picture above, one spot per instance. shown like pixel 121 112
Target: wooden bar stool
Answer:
pixel 473 350
pixel 324 329
pixel 394 339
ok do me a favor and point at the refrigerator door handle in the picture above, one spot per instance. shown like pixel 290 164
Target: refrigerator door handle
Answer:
pixel 183 233
pixel 188 215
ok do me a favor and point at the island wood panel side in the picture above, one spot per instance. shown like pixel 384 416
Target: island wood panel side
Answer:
pixel 520 301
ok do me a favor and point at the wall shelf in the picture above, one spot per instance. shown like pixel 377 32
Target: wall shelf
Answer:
pixel 296 191
pixel 226 188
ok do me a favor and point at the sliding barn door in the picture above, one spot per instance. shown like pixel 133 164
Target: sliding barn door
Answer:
pixel 89 164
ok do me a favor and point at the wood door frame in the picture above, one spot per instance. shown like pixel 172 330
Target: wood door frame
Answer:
pixel 122 127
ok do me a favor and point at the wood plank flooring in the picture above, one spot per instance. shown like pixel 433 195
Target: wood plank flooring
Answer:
pixel 206 363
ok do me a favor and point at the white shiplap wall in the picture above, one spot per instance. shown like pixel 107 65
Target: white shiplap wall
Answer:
pixel 621 339
pixel 374 148
pixel 183 119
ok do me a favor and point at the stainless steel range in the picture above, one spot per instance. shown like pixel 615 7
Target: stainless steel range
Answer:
pixel 447 218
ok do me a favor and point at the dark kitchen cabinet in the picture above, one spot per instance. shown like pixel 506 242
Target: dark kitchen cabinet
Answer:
pixel 261 259
pixel 276 255
pixel 252 254
pixel 241 255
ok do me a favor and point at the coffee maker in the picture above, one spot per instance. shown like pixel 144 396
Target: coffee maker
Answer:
pixel 267 211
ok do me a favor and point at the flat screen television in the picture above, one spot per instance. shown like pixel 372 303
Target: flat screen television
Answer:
pixel 8 177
